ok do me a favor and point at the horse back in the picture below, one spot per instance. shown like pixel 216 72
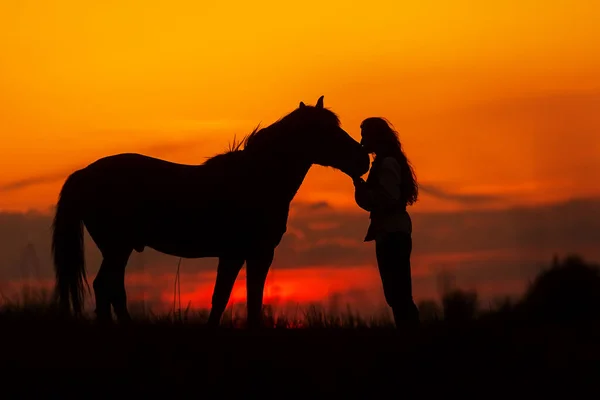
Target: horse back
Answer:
pixel 174 206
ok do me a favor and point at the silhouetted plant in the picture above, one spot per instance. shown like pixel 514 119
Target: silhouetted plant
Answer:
pixel 501 309
pixel 314 316
pixel 282 322
pixel 566 292
pixel 429 311
pixel 460 305
pixel 502 304
pixel 29 300
pixel 351 320
pixel 181 316
pixel 382 319
pixel 268 316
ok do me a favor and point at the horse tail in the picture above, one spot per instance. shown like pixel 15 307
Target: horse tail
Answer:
pixel 67 247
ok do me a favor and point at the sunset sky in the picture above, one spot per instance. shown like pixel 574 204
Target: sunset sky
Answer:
pixel 497 104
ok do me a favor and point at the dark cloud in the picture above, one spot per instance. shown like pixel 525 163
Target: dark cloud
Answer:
pixel 483 247
pixel 318 205
pixel 157 149
pixel 430 189
pixel 568 226
pixel 164 148
pixel 32 181
pixel 173 147
pixel 466 199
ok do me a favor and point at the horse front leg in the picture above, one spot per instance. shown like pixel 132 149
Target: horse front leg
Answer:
pixel 257 269
pixel 227 273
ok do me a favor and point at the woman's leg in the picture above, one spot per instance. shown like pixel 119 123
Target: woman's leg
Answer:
pixel 393 252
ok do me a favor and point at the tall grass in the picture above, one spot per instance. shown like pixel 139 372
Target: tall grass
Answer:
pixel 571 287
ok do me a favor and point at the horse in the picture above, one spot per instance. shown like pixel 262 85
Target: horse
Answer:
pixel 233 207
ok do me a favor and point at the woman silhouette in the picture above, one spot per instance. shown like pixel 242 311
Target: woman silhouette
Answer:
pixel 390 187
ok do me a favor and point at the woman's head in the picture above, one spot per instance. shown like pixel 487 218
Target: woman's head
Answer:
pixel 376 135
pixel 379 137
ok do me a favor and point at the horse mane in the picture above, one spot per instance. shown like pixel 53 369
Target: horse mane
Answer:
pixel 235 147
pixel 261 135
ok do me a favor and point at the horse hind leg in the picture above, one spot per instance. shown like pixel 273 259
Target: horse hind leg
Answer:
pixel 102 293
pixel 109 286
pixel 227 273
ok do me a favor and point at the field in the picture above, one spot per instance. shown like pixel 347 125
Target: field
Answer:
pixel 546 343
pixel 488 355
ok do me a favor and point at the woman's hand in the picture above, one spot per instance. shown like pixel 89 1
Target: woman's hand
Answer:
pixel 362 195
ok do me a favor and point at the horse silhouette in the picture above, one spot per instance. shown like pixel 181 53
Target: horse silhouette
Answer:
pixel 233 207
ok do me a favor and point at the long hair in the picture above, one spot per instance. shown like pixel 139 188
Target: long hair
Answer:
pixel 383 131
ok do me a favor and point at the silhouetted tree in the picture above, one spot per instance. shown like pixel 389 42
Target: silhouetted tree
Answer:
pixel 566 292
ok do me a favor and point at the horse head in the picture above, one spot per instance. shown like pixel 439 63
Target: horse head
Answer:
pixel 325 143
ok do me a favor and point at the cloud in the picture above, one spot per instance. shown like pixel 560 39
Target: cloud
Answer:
pixel 445 239
pixel 462 198
pixel 479 246
pixel 32 181
pixel 165 148
pixel 161 149
pixel 568 225
pixel 173 147
pixel 157 149
pixel 318 205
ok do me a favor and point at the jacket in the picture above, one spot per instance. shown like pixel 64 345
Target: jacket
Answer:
pixel 381 195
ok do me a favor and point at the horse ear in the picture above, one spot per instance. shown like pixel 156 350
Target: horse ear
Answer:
pixel 302 105
pixel 320 102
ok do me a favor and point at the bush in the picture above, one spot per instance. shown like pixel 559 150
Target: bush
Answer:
pixel 568 291
pixel 460 305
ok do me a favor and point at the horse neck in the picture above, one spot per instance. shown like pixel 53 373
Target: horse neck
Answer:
pixel 283 174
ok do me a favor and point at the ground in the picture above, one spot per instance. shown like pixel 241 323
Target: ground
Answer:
pixel 484 357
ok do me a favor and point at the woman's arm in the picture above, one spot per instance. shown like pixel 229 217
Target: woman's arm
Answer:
pixel 385 193
pixel 363 195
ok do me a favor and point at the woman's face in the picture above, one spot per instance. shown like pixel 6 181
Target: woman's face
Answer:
pixel 368 140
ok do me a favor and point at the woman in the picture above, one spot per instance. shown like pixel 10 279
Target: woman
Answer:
pixel 390 187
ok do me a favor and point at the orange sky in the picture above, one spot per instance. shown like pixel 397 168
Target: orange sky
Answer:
pixel 79 81
pixel 489 97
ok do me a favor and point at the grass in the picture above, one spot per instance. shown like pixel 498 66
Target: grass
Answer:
pixel 339 355
pixel 531 347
